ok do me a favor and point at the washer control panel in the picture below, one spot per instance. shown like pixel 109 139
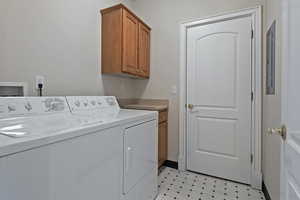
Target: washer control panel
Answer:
pixel 14 106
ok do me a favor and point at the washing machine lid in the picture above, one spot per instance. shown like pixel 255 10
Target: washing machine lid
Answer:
pixel 20 117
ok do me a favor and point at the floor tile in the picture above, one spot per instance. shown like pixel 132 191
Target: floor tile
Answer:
pixel 176 185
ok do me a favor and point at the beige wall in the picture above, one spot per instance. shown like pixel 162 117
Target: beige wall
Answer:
pixel 164 16
pixel 272 110
pixel 60 40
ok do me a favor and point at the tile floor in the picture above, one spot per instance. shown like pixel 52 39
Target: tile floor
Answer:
pixel 190 186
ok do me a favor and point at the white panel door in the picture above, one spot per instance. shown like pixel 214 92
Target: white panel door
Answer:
pixel 219 94
pixel 290 157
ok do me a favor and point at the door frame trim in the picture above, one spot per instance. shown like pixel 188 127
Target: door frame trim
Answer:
pixel 256 132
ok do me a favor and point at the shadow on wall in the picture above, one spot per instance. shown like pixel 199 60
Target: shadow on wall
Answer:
pixel 122 87
pixel 141 87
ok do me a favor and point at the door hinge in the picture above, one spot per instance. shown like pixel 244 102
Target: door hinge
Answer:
pixel 252 96
pixel 252 34
pixel 251 158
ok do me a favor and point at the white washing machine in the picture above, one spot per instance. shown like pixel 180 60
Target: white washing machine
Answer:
pixel 140 141
pixel 98 152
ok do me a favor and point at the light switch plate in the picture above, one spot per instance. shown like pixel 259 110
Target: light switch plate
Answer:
pixel 174 90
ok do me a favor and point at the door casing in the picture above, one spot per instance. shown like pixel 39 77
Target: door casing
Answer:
pixel 256 15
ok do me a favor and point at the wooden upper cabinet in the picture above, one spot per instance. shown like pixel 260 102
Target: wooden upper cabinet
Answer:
pixel 144 51
pixel 130 43
pixel 125 43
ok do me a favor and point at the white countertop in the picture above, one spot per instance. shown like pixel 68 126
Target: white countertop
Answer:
pixel 43 136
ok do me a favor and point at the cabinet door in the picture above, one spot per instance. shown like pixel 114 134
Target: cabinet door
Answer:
pixel 130 43
pixel 144 50
pixel 162 143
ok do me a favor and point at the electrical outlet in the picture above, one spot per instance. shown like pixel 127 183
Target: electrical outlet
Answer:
pixel 39 80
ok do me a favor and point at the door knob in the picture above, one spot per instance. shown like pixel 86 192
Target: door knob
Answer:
pixel 190 106
pixel 279 131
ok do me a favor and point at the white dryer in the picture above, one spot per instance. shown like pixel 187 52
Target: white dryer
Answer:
pixel 140 133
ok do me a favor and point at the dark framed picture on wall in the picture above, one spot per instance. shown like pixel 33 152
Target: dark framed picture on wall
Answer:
pixel 271 59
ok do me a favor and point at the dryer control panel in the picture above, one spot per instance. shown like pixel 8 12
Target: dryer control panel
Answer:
pixel 92 103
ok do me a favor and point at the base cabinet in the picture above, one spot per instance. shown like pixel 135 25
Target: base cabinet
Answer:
pixel 162 143
pixel 162 138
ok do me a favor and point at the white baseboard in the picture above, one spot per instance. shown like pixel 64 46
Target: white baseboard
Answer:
pixel 256 180
pixel 181 164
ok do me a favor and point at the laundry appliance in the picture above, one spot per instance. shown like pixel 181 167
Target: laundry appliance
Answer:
pixel 49 150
